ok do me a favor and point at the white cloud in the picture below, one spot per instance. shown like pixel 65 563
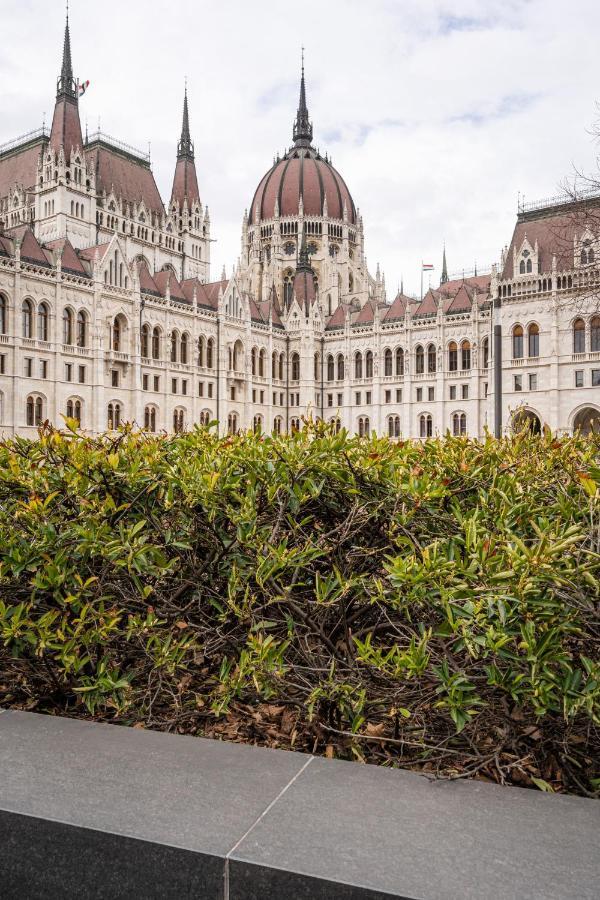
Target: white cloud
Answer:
pixel 437 114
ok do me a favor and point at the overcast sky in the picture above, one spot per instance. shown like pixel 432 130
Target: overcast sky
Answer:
pixel 436 113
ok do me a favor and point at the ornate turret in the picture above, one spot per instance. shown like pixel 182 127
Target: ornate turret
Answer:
pixel 66 127
pixel 185 181
pixel 303 130
pixel 304 279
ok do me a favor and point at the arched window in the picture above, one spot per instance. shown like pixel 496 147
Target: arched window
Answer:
pixel 529 265
pixel 595 334
pixel 459 423
pixel 485 348
pixel 364 427
pixel 34 411
pixel 81 329
pixel 42 322
pixel 294 425
pixel 156 342
pixel 578 336
pixel 150 418
pixel 419 360
pixel 201 343
pixel 281 365
pixel 253 360
pixel 27 317
pixel 452 357
pixel 533 340
pixel 394 426
pixel 340 367
pixel 257 424
pixel 145 341
pixel 209 353
pixel 330 368
pixel 431 358
pixel 368 364
pixel 465 355
pixel 295 367
pixel 178 421
pixel 183 352
pixel 590 258
pixel 517 342
pixel 67 326
pixel 117 334
pixel 277 424
pixel 232 425
pixel 328 304
pixel 399 361
pixel 425 425
pixel 174 343
pixel 288 288
pixel 336 425
pixel 237 356
pixel 114 416
pixel 387 362
pixel 522 267
pixel 262 358
pixel 205 417
pixel 316 373
pixel 74 410
pixel 274 365
pixel 584 257
pixel 358 364
pixel 3 314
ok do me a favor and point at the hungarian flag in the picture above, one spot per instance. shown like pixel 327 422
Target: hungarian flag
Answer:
pixel 83 87
pixel 427 266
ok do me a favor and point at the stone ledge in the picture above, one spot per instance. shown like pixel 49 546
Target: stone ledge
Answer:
pixel 90 810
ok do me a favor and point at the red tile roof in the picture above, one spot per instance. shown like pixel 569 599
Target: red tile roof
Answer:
pixel 554 235
pixel 428 305
pixel 130 178
pixel 304 288
pixel 366 316
pixel 398 308
pixel 166 277
pixel 185 183
pixel 70 262
pixel 338 319
pixel 32 251
pixel 90 252
pixel 147 282
pixel 20 167
pixel 481 282
pixel 66 127
pixel 208 294
pixel 461 302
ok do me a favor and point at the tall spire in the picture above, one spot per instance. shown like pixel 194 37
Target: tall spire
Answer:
pixel 185 148
pixel 444 278
pixel 65 85
pixel 303 130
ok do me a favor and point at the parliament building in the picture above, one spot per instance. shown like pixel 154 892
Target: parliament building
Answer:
pixel 108 313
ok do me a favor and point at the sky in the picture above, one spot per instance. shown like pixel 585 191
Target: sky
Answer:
pixel 437 114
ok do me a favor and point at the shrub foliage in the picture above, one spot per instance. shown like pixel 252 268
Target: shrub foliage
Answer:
pixel 429 605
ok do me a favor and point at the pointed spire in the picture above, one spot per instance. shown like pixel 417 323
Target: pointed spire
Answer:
pixel 402 284
pixel 444 278
pixel 303 130
pixel 65 85
pixel 185 148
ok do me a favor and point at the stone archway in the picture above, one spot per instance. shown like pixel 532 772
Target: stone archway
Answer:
pixel 526 418
pixel 587 421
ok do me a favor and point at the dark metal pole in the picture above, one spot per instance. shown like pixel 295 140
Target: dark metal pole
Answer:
pixel 497 368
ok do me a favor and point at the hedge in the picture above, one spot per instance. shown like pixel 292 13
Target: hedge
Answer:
pixel 429 605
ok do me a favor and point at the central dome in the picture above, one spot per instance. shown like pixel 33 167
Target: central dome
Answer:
pixel 303 175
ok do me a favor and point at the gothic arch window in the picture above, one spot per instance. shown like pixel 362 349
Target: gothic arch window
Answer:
pixel 330 368
pixel 336 425
pixel 281 365
pixel 350 283
pixel 431 358
pixel 183 348
pixel 316 362
pixel 27 318
pixel 369 364
pixel 67 326
pixel 452 357
pixel 82 328
pixel 295 367
pixel 274 365
pixel 257 424
pixel 205 417
pixel 328 304
pixel 277 424
pixel 43 320
pixel 485 346
pixel 425 425
pixel 118 333
pixel 294 425
pixel 262 362
pixel 156 342
pixel 533 340
pixel 238 356
pixel 113 416
pixel 578 336
pixel 34 410
pixel 288 287
pixel 465 356
pixel 595 334
pixel 150 418
pixel 145 341
pixel 253 360
pixel 340 367
pixel 174 344
pixel 399 361
pixel 364 426
pixel 419 360
pixel 517 342
pixel 201 343
pixel 232 423
pixel 210 353
pixel 394 426
pixel 3 314
pixel 178 421
pixel 387 362
pixel 358 364
pixel 74 410
pixel 459 423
